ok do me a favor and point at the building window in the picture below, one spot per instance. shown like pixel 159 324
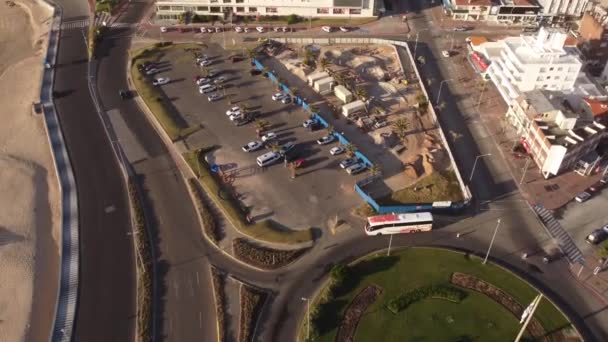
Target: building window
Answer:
pixel 603 44
pixel 548 77
pixel 354 11
pixel 202 8
pixel 240 9
pixel 177 8
pixel 227 1
pixel 551 69
pixel 544 86
pixel 271 10
pixel 322 10
pixel 163 8
pixel 543 70
pixel 215 10
pixel 339 11
pixel 214 1
pixel 556 77
pixel 240 1
pixel 560 69
pixel 253 9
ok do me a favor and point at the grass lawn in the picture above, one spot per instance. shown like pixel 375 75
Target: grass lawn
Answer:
pixel 438 186
pixel 477 316
pixel 266 230
pixel 159 104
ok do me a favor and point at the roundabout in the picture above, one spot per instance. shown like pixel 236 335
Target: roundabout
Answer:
pixel 428 294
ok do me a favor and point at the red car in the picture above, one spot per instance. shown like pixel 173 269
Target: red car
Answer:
pixel 596 187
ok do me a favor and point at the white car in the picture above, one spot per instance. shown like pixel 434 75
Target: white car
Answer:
pixel 152 71
pixel 285 29
pixel 204 62
pixel 203 81
pixel 344 29
pixel 219 80
pixel 214 97
pixel 326 29
pixel 336 150
pixel 445 53
pixel 235 116
pixel 218 29
pixel 201 58
pixel 233 110
pixel 203 30
pixel 277 29
pixel 308 123
pixel 582 197
pixel 356 168
pixel 246 29
pixel 260 29
pixel 238 29
pixel 278 96
pixel 326 140
pixel 253 146
pixel 160 81
pixel 270 136
pixel 163 29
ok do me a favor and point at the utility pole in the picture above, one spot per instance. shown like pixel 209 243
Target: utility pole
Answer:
pixel 307 317
pixel 491 242
pixel 390 242
pixel 525 169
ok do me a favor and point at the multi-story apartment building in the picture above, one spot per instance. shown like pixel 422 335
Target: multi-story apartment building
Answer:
pixel 593 39
pixel 515 11
pixel 556 137
pixel 560 10
pixel 172 9
pixel 527 62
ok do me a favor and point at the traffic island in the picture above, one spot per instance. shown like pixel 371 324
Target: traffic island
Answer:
pixel 211 230
pixel 264 257
pixel 431 294
pixel 219 294
pixel 252 303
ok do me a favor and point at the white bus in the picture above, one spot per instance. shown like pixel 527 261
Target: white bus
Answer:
pixel 399 223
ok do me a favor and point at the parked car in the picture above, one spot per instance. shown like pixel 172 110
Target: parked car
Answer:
pixel 461 28
pixel 286 100
pixel 204 63
pixel 268 158
pixel 214 97
pixel 219 80
pixel 356 168
pixel 596 187
pixel 218 29
pixel 238 29
pixel 445 53
pixel 253 146
pixel 203 81
pixel 346 163
pixel 206 89
pixel 315 126
pixel 201 58
pixel 277 29
pixel 260 29
pixel 598 235
pixel 268 137
pixel 308 123
pixel 344 29
pixel 380 124
pixel 124 94
pixel 203 30
pixel 278 96
pixel 243 120
pixel 235 116
pixel 233 110
pixel 327 29
pixel 285 29
pixel 336 150
pixel 152 71
pixel 160 81
pixel 604 180
pixel 287 147
pixel 326 140
pixel 582 197
pixel 163 29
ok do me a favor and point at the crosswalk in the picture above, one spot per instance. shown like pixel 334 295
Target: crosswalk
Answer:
pixel 556 231
pixel 100 20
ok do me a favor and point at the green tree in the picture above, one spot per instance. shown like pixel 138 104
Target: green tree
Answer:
pixel 274 146
pixel 329 129
pixel 351 149
pixel 261 126
pixel 340 273
pixel 324 63
pixel 252 53
pixel 293 19
pixel 375 169
pixel 313 109
pixel 309 57
pixel 361 93
pixel 294 91
pixel 184 18
pixel 400 127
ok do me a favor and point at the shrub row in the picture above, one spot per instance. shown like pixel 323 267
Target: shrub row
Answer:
pixel 264 257
pixel 445 292
pixel 220 302
pixel 210 227
pixel 144 283
pixel 252 302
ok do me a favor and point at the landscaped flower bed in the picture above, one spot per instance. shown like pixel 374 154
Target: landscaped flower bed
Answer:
pixel 210 227
pixel 252 302
pixel 354 312
pixel 220 301
pixel 264 257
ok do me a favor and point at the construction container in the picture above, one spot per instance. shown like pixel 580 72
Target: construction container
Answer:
pixel 352 108
pixel 315 76
pixel 343 94
pixel 324 85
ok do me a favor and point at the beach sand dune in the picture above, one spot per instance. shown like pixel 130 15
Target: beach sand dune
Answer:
pixel 29 198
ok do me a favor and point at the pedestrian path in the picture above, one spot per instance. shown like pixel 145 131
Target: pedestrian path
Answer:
pixel 556 231
pixel 100 20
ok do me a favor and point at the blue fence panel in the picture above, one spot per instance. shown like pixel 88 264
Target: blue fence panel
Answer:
pixel 321 120
pixel 367 199
pixel 342 139
pixel 272 77
pixel 364 159
pixel 258 64
pixel 404 208
pixel 305 105
pixel 284 87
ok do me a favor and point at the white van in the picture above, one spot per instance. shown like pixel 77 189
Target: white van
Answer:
pixel 268 158
pixel 207 88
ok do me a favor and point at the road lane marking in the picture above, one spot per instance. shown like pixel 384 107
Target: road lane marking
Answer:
pixel 200 319
pixel 176 287
pixel 191 286
pixel 197 282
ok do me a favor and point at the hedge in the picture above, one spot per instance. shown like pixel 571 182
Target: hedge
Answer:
pixel 210 226
pixel 220 302
pixel 264 257
pixel 444 292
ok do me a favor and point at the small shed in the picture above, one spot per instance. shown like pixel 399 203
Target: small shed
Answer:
pixel 324 85
pixel 315 76
pixel 343 94
pixel 353 107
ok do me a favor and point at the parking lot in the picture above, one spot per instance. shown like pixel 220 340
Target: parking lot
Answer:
pixel 321 187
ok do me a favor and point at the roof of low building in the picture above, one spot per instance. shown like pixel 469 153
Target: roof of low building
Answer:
pixel 598 107
pixel 473 2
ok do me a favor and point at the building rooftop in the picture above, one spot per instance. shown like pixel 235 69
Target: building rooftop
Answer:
pixel 598 107
pixel 477 40
pixel 523 3
pixel 529 52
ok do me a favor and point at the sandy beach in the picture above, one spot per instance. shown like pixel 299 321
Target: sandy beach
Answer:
pixel 29 194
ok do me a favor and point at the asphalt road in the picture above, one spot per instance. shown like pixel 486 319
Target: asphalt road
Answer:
pixel 106 303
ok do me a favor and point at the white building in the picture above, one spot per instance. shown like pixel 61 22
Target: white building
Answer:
pixel 552 9
pixel 171 9
pixel 524 63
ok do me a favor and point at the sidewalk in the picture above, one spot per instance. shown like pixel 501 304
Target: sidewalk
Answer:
pixel 597 284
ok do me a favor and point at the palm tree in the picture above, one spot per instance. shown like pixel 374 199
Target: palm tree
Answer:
pixel 313 109
pixel 280 80
pixel 274 146
pixel 261 126
pixel 329 129
pixel 252 53
pixel 351 149
pixel 294 91
pixel 375 169
pixel 324 63
pixel 361 93
pixel 309 56
pixel 400 127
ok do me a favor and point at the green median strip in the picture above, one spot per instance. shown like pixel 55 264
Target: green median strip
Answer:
pixel 266 230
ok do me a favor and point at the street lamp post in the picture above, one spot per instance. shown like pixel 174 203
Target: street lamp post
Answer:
pixel 440 87
pixel 475 164
pixel 307 317
pixel 416 44
pixel 491 242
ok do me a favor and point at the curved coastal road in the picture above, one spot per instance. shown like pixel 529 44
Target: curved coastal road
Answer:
pixel 106 302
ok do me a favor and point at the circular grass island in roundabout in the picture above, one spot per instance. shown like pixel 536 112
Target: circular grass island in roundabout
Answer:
pixel 429 294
